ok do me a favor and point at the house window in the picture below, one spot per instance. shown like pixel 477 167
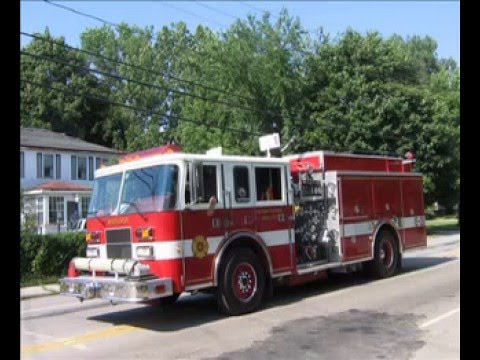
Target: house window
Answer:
pixel 58 166
pixel 39 165
pixel 268 183
pixel 90 168
pixel 74 167
pixel 48 166
pixel 82 168
pixel 55 209
pixel 85 203
pixel 99 162
pixel 22 164
pixel 241 184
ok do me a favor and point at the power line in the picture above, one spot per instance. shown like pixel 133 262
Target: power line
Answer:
pixel 67 8
pixel 124 78
pixel 258 9
pixel 216 10
pixel 204 122
pixel 146 111
pixel 192 14
pixel 151 71
pixel 273 16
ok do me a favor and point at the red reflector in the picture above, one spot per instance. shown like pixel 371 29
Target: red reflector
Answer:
pixel 160 289
pixel 144 234
pixel 92 237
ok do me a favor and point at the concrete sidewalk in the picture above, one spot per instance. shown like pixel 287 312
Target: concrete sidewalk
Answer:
pixel 39 291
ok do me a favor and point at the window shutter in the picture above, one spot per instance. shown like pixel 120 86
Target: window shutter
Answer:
pixel 74 167
pixel 39 166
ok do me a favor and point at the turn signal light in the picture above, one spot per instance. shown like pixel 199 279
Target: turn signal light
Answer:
pixel 144 234
pixel 92 237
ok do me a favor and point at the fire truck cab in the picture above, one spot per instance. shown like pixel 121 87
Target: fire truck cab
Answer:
pixel 162 224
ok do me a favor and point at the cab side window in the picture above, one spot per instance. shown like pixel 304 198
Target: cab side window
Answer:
pixel 208 183
pixel 241 184
pixel 268 183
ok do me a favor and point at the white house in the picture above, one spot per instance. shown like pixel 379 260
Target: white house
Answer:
pixel 56 176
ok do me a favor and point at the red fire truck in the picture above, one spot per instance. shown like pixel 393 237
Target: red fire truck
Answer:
pixel 164 222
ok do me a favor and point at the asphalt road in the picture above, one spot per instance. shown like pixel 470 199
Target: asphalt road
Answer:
pixel 414 315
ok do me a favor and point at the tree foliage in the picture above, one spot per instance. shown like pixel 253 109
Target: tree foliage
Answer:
pixel 353 92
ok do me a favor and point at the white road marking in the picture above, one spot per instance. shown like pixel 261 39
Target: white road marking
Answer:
pixel 438 318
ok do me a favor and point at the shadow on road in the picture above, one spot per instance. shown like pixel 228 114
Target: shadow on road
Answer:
pixel 194 310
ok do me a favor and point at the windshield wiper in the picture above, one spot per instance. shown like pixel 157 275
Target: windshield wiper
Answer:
pixel 135 206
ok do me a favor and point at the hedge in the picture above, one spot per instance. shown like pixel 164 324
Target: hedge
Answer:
pixel 49 255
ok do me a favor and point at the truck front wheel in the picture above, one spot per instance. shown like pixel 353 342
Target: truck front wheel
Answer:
pixel 241 282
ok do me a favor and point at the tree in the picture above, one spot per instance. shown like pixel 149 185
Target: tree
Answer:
pixel 368 93
pixel 42 106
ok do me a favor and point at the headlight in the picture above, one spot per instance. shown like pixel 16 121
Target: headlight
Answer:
pixel 144 251
pixel 92 252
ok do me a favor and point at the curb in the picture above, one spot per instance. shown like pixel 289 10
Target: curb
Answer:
pixel 45 292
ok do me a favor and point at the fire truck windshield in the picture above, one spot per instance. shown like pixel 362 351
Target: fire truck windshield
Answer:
pixel 149 189
pixel 105 195
pixel 144 190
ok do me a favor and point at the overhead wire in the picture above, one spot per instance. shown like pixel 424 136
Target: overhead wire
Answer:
pixel 204 122
pixel 124 63
pixel 150 85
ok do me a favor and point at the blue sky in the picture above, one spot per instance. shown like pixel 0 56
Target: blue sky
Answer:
pixel 440 20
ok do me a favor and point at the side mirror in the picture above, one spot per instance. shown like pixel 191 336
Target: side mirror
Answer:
pixel 211 206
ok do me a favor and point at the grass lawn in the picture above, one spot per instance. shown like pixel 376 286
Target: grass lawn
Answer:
pixel 442 224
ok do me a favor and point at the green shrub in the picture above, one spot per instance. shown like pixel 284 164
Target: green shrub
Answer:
pixel 29 248
pixel 430 213
pixel 49 255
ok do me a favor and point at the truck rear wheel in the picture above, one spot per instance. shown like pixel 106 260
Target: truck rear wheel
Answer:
pixel 242 282
pixel 386 256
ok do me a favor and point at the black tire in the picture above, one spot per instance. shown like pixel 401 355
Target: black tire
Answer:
pixel 241 282
pixel 386 259
pixel 164 301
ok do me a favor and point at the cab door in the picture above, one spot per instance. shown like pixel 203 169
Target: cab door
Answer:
pixel 202 229
pixel 239 199
pixel 274 213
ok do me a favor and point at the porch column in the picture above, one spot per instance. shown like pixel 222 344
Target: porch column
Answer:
pixel 46 215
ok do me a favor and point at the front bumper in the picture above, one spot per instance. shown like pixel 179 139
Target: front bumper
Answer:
pixel 116 289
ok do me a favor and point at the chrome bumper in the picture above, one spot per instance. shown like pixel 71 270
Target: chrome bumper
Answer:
pixel 116 289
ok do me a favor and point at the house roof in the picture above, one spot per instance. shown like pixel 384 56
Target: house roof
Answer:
pixel 61 186
pixel 43 138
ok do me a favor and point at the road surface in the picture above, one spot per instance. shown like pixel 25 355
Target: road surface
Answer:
pixel 414 315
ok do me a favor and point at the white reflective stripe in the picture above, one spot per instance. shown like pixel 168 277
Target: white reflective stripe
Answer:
pixel 366 227
pixel 412 222
pixel 363 228
pixel 275 238
pixel 213 242
pixel 163 250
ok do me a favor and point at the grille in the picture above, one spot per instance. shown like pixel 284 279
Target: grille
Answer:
pixel 119 243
